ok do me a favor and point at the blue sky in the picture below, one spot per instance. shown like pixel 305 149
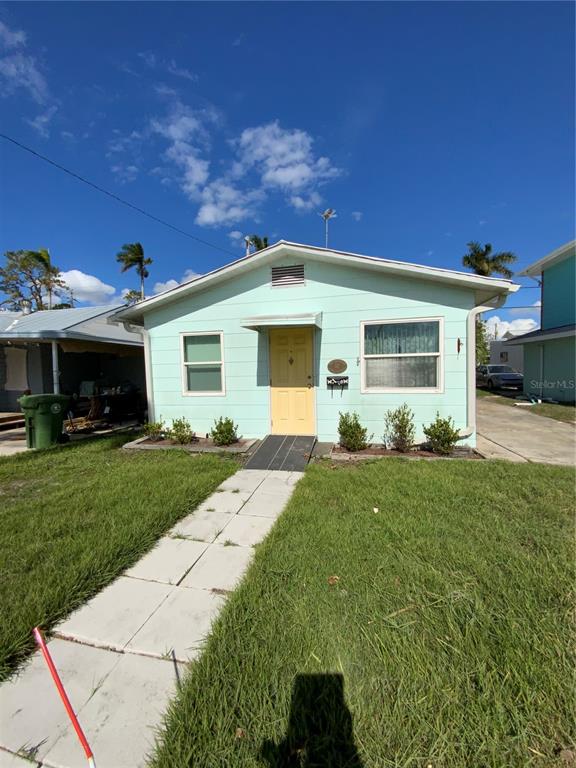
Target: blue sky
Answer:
pixel 425 125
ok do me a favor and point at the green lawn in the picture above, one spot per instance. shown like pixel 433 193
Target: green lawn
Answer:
pixel 443 638
pixel 558 411
pixel 73 518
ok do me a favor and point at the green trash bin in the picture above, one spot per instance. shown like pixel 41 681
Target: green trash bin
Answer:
pixel 44 416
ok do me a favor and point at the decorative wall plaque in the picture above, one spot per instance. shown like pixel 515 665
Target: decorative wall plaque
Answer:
pixel 337 366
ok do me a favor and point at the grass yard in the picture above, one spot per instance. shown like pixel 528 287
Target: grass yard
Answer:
pixel 72 519
pixel 558 411
pixel 432 632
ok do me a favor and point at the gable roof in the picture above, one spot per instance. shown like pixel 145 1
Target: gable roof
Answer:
pixel 485 288
pixel 74 323
pixel 535 269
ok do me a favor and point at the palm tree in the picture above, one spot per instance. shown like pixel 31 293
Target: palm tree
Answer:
pixel 42 258
pixel 132 255
pixel 483 262
pixel 258 242
pixel 132 297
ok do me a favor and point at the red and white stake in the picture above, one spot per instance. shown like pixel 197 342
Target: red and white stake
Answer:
pixel 64 696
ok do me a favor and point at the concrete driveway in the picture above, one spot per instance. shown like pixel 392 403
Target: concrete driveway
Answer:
pixel 513 433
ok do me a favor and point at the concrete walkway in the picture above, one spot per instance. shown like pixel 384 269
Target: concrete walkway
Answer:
pixel 121 655
pixel 515 434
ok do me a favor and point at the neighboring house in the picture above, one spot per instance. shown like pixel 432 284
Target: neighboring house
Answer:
pixel 549 353
pixel 503 354
pixel 284 339
pixel 73 351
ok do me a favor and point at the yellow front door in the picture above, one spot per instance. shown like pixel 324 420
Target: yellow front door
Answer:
pixel 292 381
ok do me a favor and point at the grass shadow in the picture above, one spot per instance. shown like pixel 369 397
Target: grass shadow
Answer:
pixel 319 733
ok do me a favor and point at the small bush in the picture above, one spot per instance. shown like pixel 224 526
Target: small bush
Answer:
pixel 353 436
pixel 181 431
pixel 399 430
pixel 442 435
pixel 154 430
pixel 224 431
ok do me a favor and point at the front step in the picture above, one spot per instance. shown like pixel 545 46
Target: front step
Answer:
pixel 290 453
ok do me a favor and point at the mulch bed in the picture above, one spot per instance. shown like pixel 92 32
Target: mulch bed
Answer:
pixel 421 453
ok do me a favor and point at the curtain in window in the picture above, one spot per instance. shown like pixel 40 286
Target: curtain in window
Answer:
pixel 401 338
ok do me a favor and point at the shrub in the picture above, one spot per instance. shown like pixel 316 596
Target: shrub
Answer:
pixel 442 435
pixel 224 431
pixel 181 431
pixel 353 436
pixel 399 428
pixel 154 430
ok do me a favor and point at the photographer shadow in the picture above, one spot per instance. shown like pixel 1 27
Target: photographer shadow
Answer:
pixel 319 733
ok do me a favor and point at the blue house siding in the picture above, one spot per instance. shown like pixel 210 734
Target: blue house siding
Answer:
pixel 550 369
pixel 345 296
pixel 559 294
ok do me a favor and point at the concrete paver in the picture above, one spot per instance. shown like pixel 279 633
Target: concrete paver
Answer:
pixel 202 525
pixel 10 760
pixel 245 531
pixel 169 561
pixel 121 718
pixel 245 480
pixel 111 618
pixel 534 438
pixel 219 567
pixel 267 504
pixel 179 626
pixel 32 716
pixel 228 502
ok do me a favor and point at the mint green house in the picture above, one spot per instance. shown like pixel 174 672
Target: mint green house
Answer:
pixel 549 353
pixel 284 339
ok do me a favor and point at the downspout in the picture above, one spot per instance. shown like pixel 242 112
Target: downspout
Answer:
pixel 148 373
pixel 470 427
pixel 55 369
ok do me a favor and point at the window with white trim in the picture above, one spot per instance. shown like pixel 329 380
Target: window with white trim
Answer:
pixel 401 355
pixel 203 362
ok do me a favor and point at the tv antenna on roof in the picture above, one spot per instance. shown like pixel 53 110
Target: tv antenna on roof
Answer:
pixel 328 214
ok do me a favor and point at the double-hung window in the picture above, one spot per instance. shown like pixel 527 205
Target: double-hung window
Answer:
pixel 203 363
pixel 398 356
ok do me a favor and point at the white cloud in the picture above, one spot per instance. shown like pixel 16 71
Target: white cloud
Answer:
pixel 11 38
pixel 305 203
pixel 357 215
pixel 151 61
pixel 41 123
pixel 223 203
pixel 160 287
pixel 20 71
pixel 284 158
pixel 235 236
pixel 496 327
pixel 125 174
pixel 88 288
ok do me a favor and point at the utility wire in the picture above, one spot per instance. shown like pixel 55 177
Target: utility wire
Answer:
pixel 115 197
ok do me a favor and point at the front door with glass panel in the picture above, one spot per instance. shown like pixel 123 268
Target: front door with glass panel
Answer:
pixel 292 381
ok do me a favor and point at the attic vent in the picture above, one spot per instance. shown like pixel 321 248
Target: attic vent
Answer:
pixel 288 275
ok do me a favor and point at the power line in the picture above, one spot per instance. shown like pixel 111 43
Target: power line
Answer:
pixel 115 197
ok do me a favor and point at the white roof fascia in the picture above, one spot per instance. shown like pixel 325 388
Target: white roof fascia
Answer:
pixel 549 260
